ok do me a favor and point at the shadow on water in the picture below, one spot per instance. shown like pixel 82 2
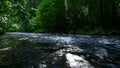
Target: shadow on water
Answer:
pixel 54 51
pixel 23 54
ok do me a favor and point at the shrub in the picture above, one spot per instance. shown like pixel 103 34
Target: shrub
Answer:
pixel 51 16
pixel 1 31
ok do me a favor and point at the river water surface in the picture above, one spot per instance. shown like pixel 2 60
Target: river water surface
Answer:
pixel 36 50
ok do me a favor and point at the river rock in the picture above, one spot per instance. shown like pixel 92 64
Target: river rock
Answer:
pixel 75 61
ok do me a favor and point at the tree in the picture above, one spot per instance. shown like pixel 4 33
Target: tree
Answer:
pixel 51 16
pixel 16 14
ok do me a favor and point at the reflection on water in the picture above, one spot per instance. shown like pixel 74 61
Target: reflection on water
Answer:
pixel 34 50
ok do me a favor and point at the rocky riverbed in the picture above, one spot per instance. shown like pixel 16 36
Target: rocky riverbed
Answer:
pixel 36 50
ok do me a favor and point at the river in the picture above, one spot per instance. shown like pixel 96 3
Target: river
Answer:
pixel 44 50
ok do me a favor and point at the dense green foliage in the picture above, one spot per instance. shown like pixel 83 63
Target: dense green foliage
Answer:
pixel 16 14
pixel 80 16
pixel 1 31
pixel 61 16
pixel 51 16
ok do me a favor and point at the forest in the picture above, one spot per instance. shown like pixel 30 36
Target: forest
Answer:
pixel 59 33
pixel 60 16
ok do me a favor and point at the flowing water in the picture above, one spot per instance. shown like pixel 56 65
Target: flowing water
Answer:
pixel 35 50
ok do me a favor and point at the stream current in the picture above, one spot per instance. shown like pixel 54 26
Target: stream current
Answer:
pixel 37 50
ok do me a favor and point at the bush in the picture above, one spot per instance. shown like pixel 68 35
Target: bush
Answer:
pixel 1 31
pixel 51 16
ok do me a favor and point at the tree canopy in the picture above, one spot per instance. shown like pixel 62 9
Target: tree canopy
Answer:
pixel 61 16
